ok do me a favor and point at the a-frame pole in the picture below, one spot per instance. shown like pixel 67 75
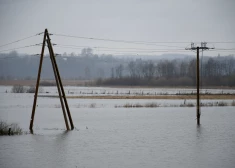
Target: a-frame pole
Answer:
pixel 58 86
pixel 38 80
pixel 60 82
pixel 198 81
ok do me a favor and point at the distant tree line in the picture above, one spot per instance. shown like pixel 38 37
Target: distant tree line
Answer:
pixel 163 70
pixel 214 71
pixel 83 66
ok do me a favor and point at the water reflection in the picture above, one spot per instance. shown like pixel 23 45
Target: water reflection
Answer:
pixel 63 136
pixel 52 147
pixel 199 131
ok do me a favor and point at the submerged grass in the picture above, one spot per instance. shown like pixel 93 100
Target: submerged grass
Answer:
pixel 210 97
pixel 189 104
pixel 233 103
pixel 12 129
pixel 138 105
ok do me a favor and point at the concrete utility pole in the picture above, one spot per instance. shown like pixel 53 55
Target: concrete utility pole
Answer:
pixel 203 47
pixel 62 96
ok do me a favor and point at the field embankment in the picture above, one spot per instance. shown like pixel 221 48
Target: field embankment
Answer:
pixel 206 97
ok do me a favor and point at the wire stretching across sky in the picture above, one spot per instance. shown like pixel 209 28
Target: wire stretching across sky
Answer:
pixel 137 42
pixel 114 48
pixel 125 41
pixel 121 50
pixel 13 49
pixel 130 50
pixel 16 41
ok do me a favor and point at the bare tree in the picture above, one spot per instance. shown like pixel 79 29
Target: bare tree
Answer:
pixel 192 70
pixel 148 70
pixel 87 52
pixel 119 71
pixel 132 69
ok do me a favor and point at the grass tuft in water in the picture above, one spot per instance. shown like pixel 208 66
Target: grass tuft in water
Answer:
pixel 12 129
pixel 92 105
pixel 233 103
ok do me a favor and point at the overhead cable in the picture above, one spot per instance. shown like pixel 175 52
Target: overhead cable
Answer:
pixel 123 41
pixel 16 41
pixel 19 48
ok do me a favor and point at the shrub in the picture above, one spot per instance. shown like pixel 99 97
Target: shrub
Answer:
pixel 188 105
pixel 222 104
pixel 18 89
pixel 32 89
pixel 138 105
pixel 151 105
pixel 127 105
pixel 14 129
pixel 92 105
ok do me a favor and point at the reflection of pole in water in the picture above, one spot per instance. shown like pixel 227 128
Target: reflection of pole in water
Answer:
pixel 199 131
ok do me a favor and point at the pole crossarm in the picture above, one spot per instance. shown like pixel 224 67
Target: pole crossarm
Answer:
pixel 203 47
pixel 200 48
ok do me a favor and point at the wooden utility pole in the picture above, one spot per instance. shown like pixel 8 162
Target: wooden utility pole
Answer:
pixel 59 84
pixel 203 47
pixel 38 80
pixel 198 82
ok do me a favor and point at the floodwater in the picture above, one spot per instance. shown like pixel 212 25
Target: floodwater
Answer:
pixel 106 136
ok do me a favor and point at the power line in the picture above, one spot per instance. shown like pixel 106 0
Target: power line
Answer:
pixel 221 49
pixel 135 50
pixel 97 47
pixel 137 42
pixel 19 40
pixel 18 57
pixel 19 48
pixel 226 42
pixel 123 41
pixel 141 51
pixel 9 57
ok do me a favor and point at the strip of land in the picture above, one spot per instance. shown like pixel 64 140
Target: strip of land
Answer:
pixel 33 82
pixel 67 82
pixel 206 97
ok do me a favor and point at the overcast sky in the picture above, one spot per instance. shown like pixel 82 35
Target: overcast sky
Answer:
pixel 132 20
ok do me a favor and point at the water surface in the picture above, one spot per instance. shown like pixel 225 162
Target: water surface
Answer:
pixel 116 137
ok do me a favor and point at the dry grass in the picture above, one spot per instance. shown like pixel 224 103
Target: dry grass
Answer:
pixel 14 129
pixel 187 97
pixel 138 105
pixel 92 105
pixel 222 104
pixel 151 105
pixel 187 105
pixel 57 106
pixel 190 104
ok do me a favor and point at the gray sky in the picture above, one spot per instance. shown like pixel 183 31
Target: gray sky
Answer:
pixel 132 20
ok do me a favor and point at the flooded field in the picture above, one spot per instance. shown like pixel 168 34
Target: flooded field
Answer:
pixel 107 136
pixel 92 91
